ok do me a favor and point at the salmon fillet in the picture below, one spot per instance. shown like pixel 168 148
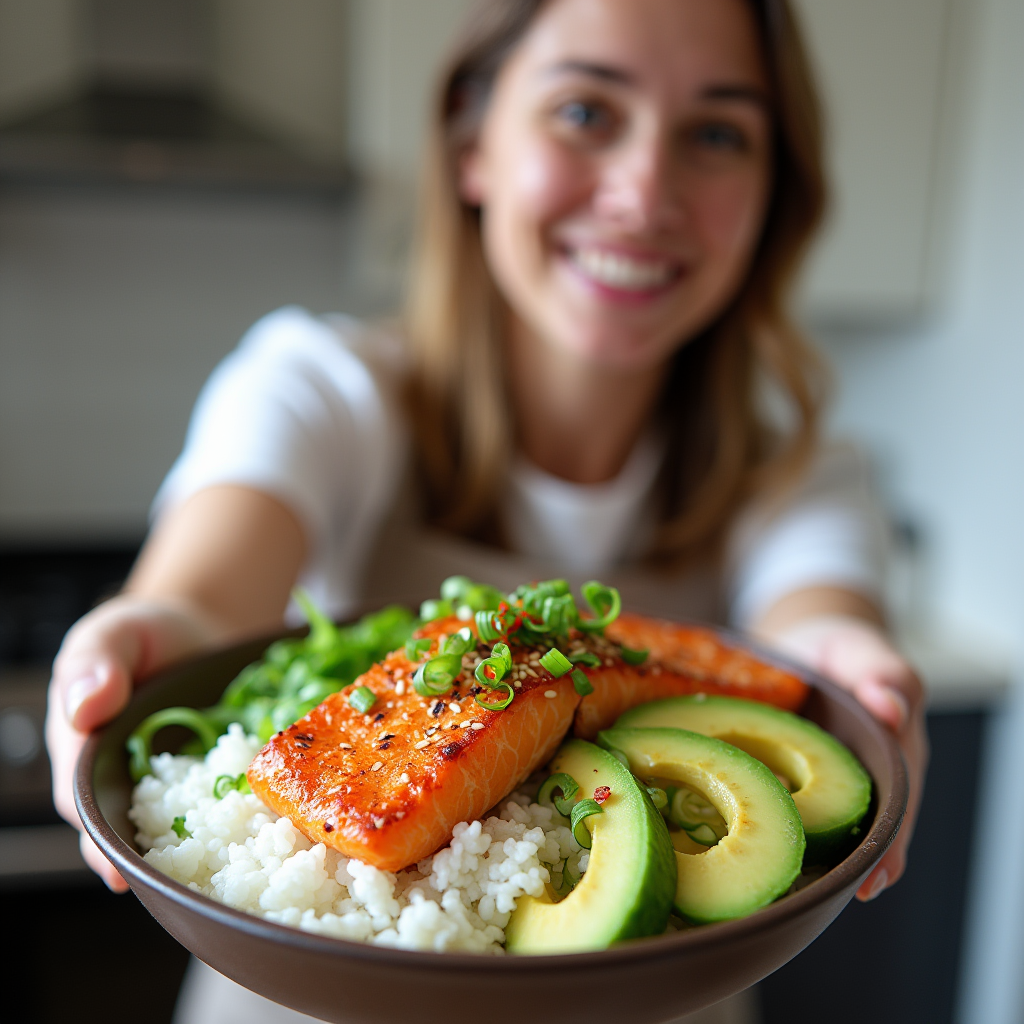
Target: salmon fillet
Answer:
pixel 682 660
pixel 387 787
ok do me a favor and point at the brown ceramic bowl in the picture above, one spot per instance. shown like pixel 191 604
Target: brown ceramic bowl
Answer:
pixel 645 981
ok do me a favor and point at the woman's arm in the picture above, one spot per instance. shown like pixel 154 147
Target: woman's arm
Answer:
pixel 842 635
pixel 217 568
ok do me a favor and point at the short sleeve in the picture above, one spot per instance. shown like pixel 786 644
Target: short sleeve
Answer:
pixel 831 532
pixel 297 413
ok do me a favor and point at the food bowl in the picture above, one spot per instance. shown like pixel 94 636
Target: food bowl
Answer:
pixel 645 981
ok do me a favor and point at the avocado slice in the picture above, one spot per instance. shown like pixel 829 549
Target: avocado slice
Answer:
pixel 761 855
pixel 830 788
pixel 626 891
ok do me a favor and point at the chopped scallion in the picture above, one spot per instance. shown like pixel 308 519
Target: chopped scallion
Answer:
pixel 587 658
pixel 633 657
pixel 502 703
pixel 562 783
pixel 581 683
pixel 580 812
pixel 436 676
pixel 178 827
pixel 556 663
pixel 416 649
pixel 361 699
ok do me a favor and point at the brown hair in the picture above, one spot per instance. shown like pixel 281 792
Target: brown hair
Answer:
pixel 722 445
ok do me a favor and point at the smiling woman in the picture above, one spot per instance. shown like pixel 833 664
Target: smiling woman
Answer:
pixel 611 218
pixel 617 195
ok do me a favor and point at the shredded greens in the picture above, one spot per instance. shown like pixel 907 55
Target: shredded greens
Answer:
pixel 293 677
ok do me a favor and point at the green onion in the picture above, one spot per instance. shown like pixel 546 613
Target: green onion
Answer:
pixel 587 658
pixel 563 783
pixel 501 704
pixel 581 683
pixel 499 664
pixel 581 811
pixel 605 602
pixel 436 676
pixel 415 649
pixel 223 785
pixel 361 699
pixel 431 610
pixel 703 834
pixel 140 742
pixel 556 663
pixel 461 642
pixel 454 587
pixel 488 626
pixel 658 797
pixel 178 827
pixel 632 657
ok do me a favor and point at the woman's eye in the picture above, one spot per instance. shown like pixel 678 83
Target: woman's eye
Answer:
pixel 720 136
pixel 582 115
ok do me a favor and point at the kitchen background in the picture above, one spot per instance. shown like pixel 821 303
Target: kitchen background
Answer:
pixel 172 169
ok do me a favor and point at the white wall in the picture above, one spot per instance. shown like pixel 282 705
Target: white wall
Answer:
pixel 114 308
pixel 282 66
pixel 941 403
pixel 41 52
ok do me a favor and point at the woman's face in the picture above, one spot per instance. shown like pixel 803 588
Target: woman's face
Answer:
pixel 623 173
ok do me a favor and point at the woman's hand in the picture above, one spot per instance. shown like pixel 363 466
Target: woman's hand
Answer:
pixel 217 568
pixel 855 653
pixel 104 654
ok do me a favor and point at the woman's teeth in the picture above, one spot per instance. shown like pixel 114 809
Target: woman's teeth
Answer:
pixel 618 271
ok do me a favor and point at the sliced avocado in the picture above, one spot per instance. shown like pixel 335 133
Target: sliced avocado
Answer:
pixel 830 788
pixel 628 886
pixel 761 855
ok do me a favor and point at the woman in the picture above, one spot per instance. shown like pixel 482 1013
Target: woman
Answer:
pixel 599 376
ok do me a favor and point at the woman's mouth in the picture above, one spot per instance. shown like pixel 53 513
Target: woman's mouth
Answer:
pixel 620 272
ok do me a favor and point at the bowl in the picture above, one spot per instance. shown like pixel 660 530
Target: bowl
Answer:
pixel 645 981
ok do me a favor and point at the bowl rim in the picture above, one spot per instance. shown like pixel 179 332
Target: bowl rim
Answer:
pixel 855 866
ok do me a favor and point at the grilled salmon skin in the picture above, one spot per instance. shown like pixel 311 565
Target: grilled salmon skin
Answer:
pixel 387 787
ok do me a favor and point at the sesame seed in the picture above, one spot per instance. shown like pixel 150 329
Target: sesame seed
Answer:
pixel 345 746
pixel 421 744
pixel 454 725
pixel 432 730
pixel 465 725
pixel 518 684
pixel 404 777
pixel 400 687
pixel 550 693
pixel 377 765
pixel 476 725
pixel 455 708
pixel 378 822
pixel 530 671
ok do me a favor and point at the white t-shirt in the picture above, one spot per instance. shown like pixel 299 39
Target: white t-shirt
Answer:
pixel 305 409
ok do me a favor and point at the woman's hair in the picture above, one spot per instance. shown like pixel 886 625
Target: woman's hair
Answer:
pixel 723 446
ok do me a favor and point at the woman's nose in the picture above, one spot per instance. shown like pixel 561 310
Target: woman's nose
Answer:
pixel 639 187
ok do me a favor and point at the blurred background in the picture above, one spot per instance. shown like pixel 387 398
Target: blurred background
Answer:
pixel 172 169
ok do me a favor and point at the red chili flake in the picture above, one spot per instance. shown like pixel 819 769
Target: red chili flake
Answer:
pixel 602 793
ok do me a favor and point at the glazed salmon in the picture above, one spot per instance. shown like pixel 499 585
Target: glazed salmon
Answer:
pixel 388 787
pixel 682 660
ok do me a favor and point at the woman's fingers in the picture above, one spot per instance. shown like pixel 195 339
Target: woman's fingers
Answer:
pixel 94 672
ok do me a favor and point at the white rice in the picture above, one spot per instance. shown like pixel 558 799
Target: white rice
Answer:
pixel 245 856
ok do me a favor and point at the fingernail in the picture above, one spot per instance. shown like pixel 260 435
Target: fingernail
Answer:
pixel 80 691
pixel 881 882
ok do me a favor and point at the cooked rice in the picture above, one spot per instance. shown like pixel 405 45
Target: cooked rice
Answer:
pixel 247 857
